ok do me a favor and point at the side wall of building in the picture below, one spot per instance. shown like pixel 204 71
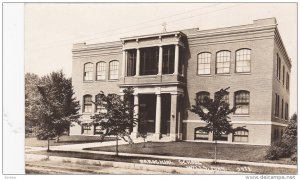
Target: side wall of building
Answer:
pixel 258 82
pixel 94 86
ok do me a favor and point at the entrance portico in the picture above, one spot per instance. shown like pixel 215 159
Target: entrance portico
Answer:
pixel 158 107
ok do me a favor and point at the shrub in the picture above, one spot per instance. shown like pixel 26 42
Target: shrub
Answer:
pixel 272 153
pixel 294 154
pixel 279 149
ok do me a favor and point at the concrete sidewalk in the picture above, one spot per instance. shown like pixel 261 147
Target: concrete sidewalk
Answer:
pixel 80 146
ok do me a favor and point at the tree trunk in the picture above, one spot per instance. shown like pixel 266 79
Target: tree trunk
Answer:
pixel 57 139
pixel 48 148
pixel 117 150
pixel 144 145
pixel 215 161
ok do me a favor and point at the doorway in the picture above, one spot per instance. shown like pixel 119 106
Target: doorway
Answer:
pixel 165 113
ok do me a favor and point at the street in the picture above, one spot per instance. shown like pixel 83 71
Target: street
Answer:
pixel 52 167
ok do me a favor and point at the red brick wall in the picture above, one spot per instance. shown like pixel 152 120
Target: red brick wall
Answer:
pixel 258 82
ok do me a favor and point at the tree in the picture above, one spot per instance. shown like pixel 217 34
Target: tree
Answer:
pixel 290 136
pixel 290 132
pixel 143 129
pixel 118 119
pixel 32 101
pixel 58 109
pixel 287 145
pixel 215 112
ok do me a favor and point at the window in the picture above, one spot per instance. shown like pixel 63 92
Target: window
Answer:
pixel 168 59
pixel 278 63
pixel 223 62
pixel 282 104
pixel 204 63
pixel 149 61
pixel 223 137
pixel 242 101
pixel 99 108
pixel 286 111
pixel 131 62
pixel 202 95
pixel 88 72
pixel 87 104
pixel 276 134
pixel 86 129
pixel 200 134
pixel 181 61
pixel 243 60
pixel 98 129
pixel 225 98
pixel 114 70
pixel 287 81
pixel 241 136
pixel 101 70
pixel 283 74
pixel 277 105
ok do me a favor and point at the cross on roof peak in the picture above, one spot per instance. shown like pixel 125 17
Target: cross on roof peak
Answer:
pixel 164 24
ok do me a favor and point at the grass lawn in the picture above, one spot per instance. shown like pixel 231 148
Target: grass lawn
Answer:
pixel 33 142
pixel 198 150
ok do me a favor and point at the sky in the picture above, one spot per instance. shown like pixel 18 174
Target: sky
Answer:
pixel 51 29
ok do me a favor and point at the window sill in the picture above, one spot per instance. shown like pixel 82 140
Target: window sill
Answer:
pixel 241 115
pixel 112 80
pixel 244 73
pixel 204 75
pixel 87 113
pixel 101 80
pixel 224 74
pixel 88 81
pixel 279 118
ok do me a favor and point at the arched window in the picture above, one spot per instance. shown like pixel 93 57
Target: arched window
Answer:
pixel 87 104
pixel 202 95
pixel 114 69
pixel 223 62
pixel 200 134
pixel 88 72
pixel 243 60
pixel 204 63
pixel 241 136
pixel 242 102
pixel 101 71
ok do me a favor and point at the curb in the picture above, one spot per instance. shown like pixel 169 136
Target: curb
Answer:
pixel 145 167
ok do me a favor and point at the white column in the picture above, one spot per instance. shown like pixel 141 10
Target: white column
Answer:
pixel 136 111
pixel 176 59
pixel 158 116
pixel 173 120
pixel 123 64
pixel 137 72
pixel 160 57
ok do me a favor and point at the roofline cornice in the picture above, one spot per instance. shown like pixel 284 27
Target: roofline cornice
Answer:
pixel 223 31
pixel 176 33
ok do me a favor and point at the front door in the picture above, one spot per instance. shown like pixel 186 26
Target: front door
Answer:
pixel 147 110
pixel 165 113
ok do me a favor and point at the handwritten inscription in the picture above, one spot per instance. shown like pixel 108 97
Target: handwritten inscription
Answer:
pixel 158 162
pixel 191 164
